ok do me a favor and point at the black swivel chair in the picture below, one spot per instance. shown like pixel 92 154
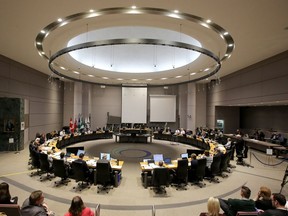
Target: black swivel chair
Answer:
pixel 181 174
pixel 45 167
pixel 160 179
pixel 198 174
pixel 60 169
pixel 214 170
pixel 104 176
pixel 35 162
pixel 80 176
pixel 225 158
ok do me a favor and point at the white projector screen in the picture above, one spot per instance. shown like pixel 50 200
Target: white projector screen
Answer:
pixel 162 108
pixel 134 105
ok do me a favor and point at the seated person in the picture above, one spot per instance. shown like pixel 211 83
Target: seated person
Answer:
pixel 278 201
pixel 263 200
pixel 104 160
pixel 228 145
pixel 5 197
pixel 232 206
pixel 89 173
pixel 66 163
pixel 35 206
pixel 213 208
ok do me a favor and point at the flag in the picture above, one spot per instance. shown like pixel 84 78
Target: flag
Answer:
pixel 71 126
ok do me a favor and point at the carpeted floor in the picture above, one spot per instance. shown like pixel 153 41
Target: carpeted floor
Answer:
pixel 130 197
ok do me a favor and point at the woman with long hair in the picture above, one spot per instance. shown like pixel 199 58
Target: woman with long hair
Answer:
pixel 78 208
pixel 5 197
pixel 213 208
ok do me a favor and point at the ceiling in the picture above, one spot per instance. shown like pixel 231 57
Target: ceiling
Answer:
pixel 259 30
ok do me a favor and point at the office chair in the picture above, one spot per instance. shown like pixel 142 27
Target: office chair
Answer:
pixel 160 179
pixel 35 162
pixel 80 176
pixel 10 209
pixel 181 174
pixel 243 213
pixel 225 158
pixel 45 167
pixel 197 175
pixel 104 176
pixel 60 169
pixel 214 170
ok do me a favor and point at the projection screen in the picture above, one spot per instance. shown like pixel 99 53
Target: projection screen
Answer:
pixel 162 108
pixel 134 105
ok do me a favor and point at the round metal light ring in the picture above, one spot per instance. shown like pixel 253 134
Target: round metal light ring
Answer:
pixel 135 41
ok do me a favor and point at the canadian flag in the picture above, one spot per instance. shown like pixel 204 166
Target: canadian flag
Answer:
pixel 71 126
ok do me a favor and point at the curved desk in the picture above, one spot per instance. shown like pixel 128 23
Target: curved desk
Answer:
pixel 183 139
pixel 66 141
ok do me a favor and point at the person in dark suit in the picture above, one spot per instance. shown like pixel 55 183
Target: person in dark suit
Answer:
pixel 263 200
pixel 89 173
pixel 232 206
pixel 278 201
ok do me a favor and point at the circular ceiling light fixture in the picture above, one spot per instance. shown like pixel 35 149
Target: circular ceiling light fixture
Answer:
pixel 112 50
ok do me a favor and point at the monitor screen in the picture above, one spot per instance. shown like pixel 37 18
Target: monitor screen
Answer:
pixel 108 156
pixel 80 151
pixel 184 155
pixel 73 150
pixel 158 157
pixel 167 160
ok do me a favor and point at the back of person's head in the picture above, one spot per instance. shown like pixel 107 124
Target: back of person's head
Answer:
pixel 206 153
pixel 62 155
pixel 77 206
pixel 265 193
pixel 81 155
pixel 4 189
pixel 193 156
pixel 213 206
pixel 246 192
pixel 160 163
pixel 280 198
pixel 35 197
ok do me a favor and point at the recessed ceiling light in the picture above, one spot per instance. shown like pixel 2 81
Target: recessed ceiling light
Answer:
pixel 105 78
pixel 192 73
pixel 176 11
pixel 63 68
pixel 76 72
pixel 208 21
pixel 225 33
pixel 59 20
pixel 230 45
pixel 42 31
pixel 178 76
pixel 133 7
pixel 164 78
pixel 148 79
pixel 90 75
pixel 134 79
pixel 119 79
pixel 91 11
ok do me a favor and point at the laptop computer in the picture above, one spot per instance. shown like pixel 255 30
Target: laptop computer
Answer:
pixel 167 161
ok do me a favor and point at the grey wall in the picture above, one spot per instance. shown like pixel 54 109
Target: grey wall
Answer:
pixel 45 100
pixel 267 118
pixel 264 82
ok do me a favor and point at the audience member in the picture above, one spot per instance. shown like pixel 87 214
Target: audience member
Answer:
pixel 35 206
pixel 5 197
pixel 232 206
pixel 213 207
pixel 278 201
pixel 263 200
pixel 78 208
